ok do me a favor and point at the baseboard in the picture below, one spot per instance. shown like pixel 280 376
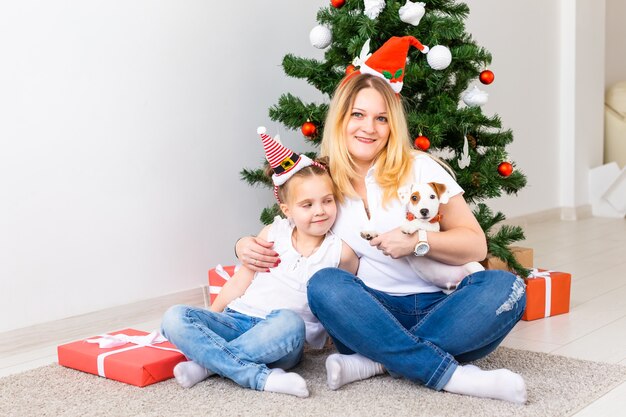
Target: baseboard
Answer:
pixel 554 214
pixel 110 319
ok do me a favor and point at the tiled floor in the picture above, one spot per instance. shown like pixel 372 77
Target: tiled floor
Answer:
pixel 593 250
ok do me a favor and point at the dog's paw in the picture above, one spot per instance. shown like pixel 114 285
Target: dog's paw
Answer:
pixel 408 228
pixel 368 234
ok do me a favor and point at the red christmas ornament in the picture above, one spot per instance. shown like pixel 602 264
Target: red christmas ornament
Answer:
pixel 337 3
pixel 505 169
pixel 350 69
pixel 309 129
pixel 422 142
pixel 486 77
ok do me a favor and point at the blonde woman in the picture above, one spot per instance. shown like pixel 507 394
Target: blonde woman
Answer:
pixel 386 318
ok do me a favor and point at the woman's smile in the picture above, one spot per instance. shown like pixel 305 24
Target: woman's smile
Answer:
pixel 367 129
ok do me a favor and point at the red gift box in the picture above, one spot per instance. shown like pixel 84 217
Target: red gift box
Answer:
pixel 547 294
pixel 217 278
pixel 143 362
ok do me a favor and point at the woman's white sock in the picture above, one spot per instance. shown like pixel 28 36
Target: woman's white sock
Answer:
pixel 343 369
pixel 499 384
pixel 189 373
pixel 286 383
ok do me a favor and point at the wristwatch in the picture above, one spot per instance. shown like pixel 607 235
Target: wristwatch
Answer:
pixel 422 246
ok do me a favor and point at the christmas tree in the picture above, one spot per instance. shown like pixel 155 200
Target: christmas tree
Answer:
pixel 440 94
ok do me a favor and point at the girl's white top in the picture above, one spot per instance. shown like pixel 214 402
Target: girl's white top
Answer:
pixel 285 286
pixel 376 270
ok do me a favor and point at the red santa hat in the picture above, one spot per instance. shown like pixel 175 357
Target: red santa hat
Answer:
pixel 283 160
pixel 389 60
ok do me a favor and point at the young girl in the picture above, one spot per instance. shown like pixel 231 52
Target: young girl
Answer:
pixel 257 325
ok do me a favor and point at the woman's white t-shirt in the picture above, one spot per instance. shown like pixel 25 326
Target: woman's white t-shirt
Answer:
pixel 376 270
pixel 285 286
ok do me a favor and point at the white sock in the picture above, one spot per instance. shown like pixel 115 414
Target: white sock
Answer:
pixel 189 373
pixel 286 383
pixel 343 369
pixel 500 384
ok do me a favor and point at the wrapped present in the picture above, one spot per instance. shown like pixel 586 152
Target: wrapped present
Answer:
pixel 547 294
pixel 217 278
pixel 129 356
pixel 523 255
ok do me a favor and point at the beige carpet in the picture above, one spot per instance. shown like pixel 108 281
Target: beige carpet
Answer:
pixel 557 386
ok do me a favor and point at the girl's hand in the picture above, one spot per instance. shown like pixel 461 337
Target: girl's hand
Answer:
pixel 395 243
pixel 256 253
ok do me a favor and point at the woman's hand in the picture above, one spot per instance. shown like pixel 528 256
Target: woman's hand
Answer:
pixel 256 253
pixel 395 243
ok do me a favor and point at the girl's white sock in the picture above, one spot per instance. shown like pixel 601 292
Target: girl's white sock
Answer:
pixel 286 383
pixel 499 384
pixel 343 369
pixel 189 373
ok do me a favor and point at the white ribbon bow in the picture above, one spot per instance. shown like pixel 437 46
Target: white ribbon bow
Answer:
pixel 107 341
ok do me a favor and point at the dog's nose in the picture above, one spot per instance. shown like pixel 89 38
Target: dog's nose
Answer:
pixel 424 212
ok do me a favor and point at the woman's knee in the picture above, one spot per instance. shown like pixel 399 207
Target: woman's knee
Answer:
pixel 512 289
pixel 326 284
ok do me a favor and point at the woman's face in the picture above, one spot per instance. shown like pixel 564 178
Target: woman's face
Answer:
pixel 367 131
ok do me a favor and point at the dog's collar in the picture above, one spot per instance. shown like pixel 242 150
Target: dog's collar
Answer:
pixel 410 217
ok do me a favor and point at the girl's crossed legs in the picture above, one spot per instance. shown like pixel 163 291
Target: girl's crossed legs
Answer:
pixel 239 347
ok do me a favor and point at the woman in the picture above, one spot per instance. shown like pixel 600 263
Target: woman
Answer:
pixel 386 317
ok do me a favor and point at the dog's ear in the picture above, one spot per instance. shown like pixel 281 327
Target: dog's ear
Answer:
pixel 440 189
pixel 404 193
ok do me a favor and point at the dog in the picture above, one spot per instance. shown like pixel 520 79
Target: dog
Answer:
pixel 422 206
pixel 422 201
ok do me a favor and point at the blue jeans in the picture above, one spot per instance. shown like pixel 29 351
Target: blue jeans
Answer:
pixel 234 345
pixel 421 337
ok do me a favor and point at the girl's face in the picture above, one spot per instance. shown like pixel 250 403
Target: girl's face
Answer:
pixel 311 204
pixel 367 131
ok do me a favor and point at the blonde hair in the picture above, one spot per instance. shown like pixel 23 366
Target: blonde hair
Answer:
pixel 393 164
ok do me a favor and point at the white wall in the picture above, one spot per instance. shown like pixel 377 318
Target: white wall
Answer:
pixel 589 119
pixel 125 125
pixel 615 40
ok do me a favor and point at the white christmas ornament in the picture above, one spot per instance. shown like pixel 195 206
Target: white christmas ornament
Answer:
pixel 465 159
pixel 373 8
pixel 320 37
pixel 439 57
pixel 475 97
pixel 412 13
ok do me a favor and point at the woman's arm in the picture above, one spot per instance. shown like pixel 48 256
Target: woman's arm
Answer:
pixel 461 239
pixel 349 261
pixel 256 253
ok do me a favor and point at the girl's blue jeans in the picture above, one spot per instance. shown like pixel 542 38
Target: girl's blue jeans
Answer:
pixel 234 345
pixel 421 337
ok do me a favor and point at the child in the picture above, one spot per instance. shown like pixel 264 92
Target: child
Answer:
pixel 257 325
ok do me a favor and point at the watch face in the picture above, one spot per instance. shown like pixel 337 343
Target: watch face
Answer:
pixel 421 249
